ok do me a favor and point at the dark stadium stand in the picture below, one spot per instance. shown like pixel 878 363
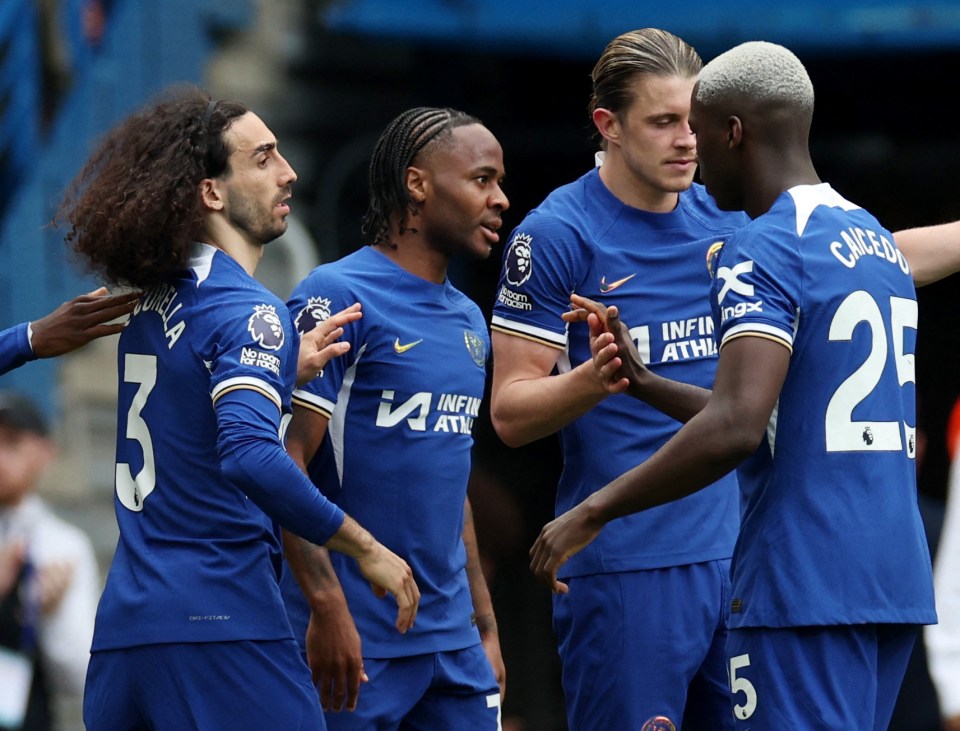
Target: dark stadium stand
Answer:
pixel 145 46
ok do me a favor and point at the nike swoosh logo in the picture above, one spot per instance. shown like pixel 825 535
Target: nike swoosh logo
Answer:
pixel 604 287
pixel 404 348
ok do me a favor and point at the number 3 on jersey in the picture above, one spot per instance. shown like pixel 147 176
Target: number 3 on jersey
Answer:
pixel 132 491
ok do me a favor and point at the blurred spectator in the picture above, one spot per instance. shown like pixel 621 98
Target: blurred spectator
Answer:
pixel 93 20
pixel 54 55
pixel 49 580
pixel 943 639
pixel 917 708
pixel 70 30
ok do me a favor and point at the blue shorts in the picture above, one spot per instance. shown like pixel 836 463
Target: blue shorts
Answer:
pixel 202 686
pixel 836 678
pixel 443 690
pixel 640 645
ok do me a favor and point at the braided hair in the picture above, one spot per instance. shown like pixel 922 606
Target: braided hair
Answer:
pixel 404 139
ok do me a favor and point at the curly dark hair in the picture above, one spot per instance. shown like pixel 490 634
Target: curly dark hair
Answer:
pixel 134 210
pixel 403 139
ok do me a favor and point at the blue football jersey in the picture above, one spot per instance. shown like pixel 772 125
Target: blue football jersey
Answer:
pixel 831 531
pixel 652 266
pixel 14 347
pixel 401 404
pixel 197 560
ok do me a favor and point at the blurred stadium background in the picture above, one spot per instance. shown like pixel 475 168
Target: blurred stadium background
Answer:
pixel 326 75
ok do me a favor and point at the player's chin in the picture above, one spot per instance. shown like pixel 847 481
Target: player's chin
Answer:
pixel 481 249
pixel 280 228
pixel 679 183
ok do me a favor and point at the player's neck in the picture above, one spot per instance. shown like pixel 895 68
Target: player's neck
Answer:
pixel 633 191
pixel 234 244
pixel 409 252
pixel 766 186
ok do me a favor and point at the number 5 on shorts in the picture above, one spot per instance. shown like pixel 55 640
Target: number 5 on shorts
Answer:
pixel 742 685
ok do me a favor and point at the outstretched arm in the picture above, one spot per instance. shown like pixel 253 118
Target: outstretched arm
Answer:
pixel 527 402
pixel 750 375
pixel 71 325
pixel 386 572
pixel 617 362
pixel 15 347
pixel 933 252
pixel 483 614
pixel 79 321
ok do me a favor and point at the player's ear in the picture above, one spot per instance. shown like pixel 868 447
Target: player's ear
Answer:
pixel 607 124
pixel 211 194
pixel 734 132
pixel 416 180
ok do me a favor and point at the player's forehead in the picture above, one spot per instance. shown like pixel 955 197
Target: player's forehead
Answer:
pixel 247 134
pixel 470 147
pixel 660 94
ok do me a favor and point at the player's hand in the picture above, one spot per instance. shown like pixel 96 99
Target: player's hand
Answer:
pixel 81 320
pixel 319 346
pixel 388 573
pixel 607 364
pixel 335 658
pixel 490 637
pixel 951 724
pixel 558 541
pixel 615 355
pixel 491 646
pixel 582 307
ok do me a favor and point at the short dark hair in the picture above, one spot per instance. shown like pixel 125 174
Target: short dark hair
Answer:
pixel 19 413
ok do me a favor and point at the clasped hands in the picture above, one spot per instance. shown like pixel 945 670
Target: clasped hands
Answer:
pixel 619 367
pixel 616 360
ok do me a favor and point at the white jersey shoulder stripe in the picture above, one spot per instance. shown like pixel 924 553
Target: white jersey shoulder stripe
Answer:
pixel 806 198
pixel 246 382
pixel 757 329
pixel 531 332
pixel 313 402
pixel 201 261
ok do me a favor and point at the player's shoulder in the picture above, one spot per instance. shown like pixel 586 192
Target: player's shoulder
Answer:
pixel 359 273
pixel 820 206
pixel 561 226
pixel 565 208
pixel 772 237
pixel 363 276
pixel 217 277
pixel 700 206
pixel 463 302
pixel 229 305
pixel 362 266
